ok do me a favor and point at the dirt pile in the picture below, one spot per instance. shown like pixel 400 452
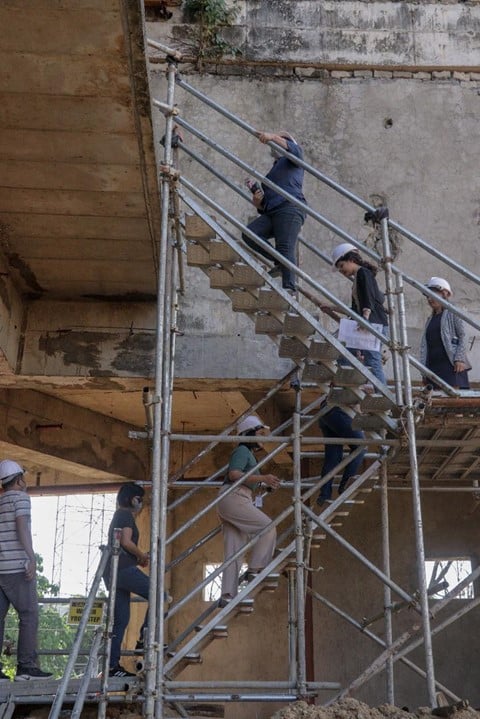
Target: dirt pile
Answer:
pixel 353 709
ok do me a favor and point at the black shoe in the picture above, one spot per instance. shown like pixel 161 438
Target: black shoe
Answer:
pixel 224 600
pixel 3 677
pixel 25 673
pixel 342 486
pixel 323 500
pixel 276 271
pixel 119 671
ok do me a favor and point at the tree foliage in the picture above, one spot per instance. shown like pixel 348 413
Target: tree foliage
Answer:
pixel 211 18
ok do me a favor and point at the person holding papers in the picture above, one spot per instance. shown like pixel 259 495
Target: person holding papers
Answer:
pixel 367 298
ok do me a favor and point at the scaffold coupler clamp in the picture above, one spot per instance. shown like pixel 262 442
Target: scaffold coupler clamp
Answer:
pixel 377 215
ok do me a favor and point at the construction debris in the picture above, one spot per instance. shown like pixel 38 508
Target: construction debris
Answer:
pixel 353 709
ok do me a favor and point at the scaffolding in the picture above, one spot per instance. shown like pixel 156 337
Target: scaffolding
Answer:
pixel 398 437
pixel 390 418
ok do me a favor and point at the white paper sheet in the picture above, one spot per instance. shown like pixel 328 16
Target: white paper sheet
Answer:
pixel 351 336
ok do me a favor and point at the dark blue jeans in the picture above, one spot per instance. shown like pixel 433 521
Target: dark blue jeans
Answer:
pixel 337 423
pixel 129 580
pixel 283 224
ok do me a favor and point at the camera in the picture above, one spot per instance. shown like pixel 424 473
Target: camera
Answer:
pixel 252 185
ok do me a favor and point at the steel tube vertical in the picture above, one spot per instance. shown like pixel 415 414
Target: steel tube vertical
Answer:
pixel 300 564
pixel 417 506
pixel 390 287
pixel 112 593
pixel 154 642
pixel 387 592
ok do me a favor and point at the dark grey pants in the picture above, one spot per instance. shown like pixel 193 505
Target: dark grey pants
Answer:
pixel 17 591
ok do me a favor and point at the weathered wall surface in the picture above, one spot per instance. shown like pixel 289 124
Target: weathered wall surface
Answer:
pixel 411 141
pixel 340 652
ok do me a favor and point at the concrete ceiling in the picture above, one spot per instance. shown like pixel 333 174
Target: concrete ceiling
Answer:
pixel 79 229
pixel 79 207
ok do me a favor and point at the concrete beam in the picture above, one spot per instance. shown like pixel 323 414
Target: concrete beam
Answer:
pixel 46 432
pixel 106 339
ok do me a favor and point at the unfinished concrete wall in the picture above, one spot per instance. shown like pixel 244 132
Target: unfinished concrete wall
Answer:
pixel 341 651
pixel 384 97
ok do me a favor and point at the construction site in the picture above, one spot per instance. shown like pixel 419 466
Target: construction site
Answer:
pixel 139 329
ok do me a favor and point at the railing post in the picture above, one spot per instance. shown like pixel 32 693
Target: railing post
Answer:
pixel 62 688
pixel 387 592
pixel 417 506
pixel 299 549
pixel 112 593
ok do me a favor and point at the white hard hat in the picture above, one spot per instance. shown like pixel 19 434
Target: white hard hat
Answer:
pixel 342 250
pixel 8 469
pixel 251 422
pixel 438 283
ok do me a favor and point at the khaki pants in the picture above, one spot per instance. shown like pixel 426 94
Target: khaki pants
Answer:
pixel 241 519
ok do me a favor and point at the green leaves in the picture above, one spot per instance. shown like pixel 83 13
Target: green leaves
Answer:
pixel 210 17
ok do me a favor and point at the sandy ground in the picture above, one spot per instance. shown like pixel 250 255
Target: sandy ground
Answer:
pixel 353 709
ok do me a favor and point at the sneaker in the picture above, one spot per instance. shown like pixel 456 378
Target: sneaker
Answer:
pixel 139 646
pixel 224 600
pixel 25 673
pixel 119 671
pixel 276 271
pixel 3 677
pixel 292 293
pixel 323 500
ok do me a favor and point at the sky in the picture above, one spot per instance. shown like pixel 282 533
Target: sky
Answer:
pixel 79 522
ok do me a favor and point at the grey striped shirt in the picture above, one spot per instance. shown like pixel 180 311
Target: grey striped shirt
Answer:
pixel 13 504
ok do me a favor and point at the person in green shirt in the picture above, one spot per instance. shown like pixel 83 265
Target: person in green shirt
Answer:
pixel 240 518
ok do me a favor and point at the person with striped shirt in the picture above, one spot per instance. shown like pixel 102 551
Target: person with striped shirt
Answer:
pixel 18 586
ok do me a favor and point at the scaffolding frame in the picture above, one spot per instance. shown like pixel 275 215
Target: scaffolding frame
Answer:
pixel 160 687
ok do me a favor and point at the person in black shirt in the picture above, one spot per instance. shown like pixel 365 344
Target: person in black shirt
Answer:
pixel 130 578
pixel 367 298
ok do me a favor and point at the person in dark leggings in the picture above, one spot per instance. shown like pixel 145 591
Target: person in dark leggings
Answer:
pixel 337 423
pixel 129 578
pixel 278 218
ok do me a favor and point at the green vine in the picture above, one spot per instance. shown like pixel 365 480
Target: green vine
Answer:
pixel 211 18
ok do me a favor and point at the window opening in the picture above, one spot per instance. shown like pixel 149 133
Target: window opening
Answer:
pixel 443 575
pixel 213 590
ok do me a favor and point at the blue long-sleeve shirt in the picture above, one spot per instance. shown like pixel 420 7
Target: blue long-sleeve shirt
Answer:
pixel 286 175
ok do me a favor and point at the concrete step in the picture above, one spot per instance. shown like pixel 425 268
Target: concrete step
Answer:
pixel 245 276
pixel 220 279
pixel 197 229
pixel 377 403
pixel 293 348
pixel 222 253
pixel 319 373
pixel 197 255
pixel 243 301
pixel 266 324
pixel 344 396
pixel 296 326
pixel 349 377
pixel 375 422
pixel 320 351
pixel 271 300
